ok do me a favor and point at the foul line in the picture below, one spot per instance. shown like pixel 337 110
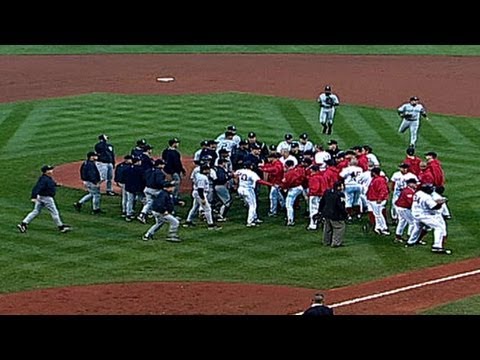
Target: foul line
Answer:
pixel 405 288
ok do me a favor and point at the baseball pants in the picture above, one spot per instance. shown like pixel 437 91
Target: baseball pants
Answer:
pixel 413 126
pixel 93 193
pixel 161 219
pixel 44 202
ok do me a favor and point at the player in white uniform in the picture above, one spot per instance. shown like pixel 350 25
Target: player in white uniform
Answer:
pixel 410 113
pixel 425 212
pixel 328 101
pixel 247 180
pixel 321 157
pixel 353 189
pixel 398 182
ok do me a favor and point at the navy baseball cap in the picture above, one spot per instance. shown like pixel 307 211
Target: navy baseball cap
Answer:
pixel 173 141
pixel 404 166
pixel 410 151
pixel 251 134
pixel 431 153
pixel 147 147
pixel 328 88
pixel 288 136
pixel 331 142
pixel 414 98
pixel 159 162
pixel 244 142
pixel 304 136
pixel 295 145
pixel 91 153
pixel 45 168
pixel 127 157
pixel 204 143
pixel 232 128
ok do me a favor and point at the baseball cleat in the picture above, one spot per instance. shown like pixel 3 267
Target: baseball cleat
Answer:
pixel 65 228
pixel 441 251
pixel 77 206
pixel 22 227
pixel 147 237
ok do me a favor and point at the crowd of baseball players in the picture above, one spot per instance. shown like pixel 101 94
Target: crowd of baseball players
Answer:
pixel 297 172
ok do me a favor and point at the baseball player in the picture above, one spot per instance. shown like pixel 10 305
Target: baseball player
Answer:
pixel 410 113
pixel 155 178
pixel 163 210
pixel 174 166
pixel 397 183
pixel 235 137
pixel 247 180
pixel 328 101
pixel 275 171
pixel 285 144
pixel 403 206
pixel 305 144
pixel 353 189
pixel 317 185
pixel 105 161
pixel 377 196
pixel 201 188
pixel 424 211
pixel 119 178
pixel 292 182
pixel 43 194
pixel 91 180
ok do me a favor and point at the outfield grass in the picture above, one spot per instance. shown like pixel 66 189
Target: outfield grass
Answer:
pixel 107 249
pixel 468 306
pixel 454 50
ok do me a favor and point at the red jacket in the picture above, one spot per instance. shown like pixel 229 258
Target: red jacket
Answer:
pixel 426 176
pixel 378 189
pixel 275 171
pixel 331 176
pixel 405 199
pixel 317 184
pixel 293 178
pixel 438 175
pixel 363 161
pixel 414 164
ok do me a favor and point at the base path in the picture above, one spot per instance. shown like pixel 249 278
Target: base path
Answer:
pixel 446 85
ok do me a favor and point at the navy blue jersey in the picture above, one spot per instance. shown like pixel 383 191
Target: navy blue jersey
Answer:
pixel 89 172
pixel 163 202
pixel 45 186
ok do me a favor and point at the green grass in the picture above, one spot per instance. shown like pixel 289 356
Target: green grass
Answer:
pixel 107 249
pixel 468 306
pixel 454 50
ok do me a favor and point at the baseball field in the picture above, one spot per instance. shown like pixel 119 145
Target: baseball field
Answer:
pixel 53 108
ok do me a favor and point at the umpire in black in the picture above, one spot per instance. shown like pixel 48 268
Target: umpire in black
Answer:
pixel 105 161
pixel 173 165
pixel 332 209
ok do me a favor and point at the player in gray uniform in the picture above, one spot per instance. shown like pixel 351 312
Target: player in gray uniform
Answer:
pixel 305 144
pixel 43 194
pixel 410 113
pixel 200 194
pixel 328 101
pixel 91 180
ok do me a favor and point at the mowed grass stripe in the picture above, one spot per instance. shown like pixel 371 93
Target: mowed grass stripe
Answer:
pixel 17 116
pixel 110 249
pixel 294 117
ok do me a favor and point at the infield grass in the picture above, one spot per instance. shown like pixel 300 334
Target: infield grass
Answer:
pixel 106 249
